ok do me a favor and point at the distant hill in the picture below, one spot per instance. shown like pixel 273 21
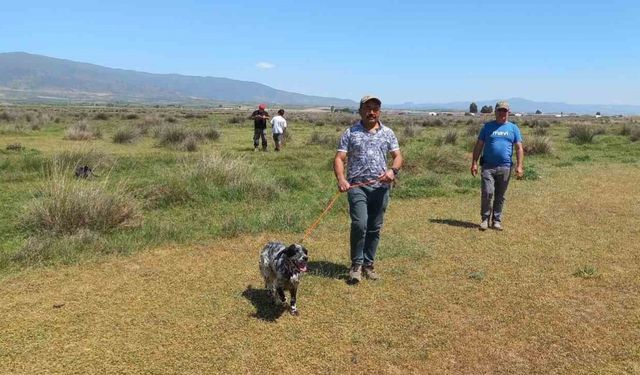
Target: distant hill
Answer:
pixel 35 78
pixel 528 106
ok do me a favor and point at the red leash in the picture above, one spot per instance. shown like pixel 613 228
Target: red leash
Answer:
pixel 331 202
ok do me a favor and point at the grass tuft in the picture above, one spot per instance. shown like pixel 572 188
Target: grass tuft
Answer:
pixel 539 145
pixel 67 205
pixel 125 135
pixel 582 134
pixel 586 272
pixel 81 131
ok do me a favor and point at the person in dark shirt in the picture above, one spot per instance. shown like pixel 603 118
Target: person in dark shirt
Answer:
pixel 260 117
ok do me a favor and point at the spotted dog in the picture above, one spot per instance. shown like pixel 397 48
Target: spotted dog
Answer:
pixel 282 268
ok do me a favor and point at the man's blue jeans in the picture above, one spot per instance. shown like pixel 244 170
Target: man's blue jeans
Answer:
pixel 366 207
pixel 494 186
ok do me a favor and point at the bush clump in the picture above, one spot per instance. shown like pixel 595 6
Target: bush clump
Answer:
pixel 318 138
pixel 102 116
pixel 581 134
pixel 81 131
pixel 212 134
pixel 171 135
pixel 538 145
pixel 67 205
pixel 449 138
pixel 125 135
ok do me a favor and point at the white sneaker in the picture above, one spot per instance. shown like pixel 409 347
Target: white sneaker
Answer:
pixel 484 225
pixel 497 225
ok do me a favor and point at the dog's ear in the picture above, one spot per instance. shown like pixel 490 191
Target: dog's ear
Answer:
pixel 291 250
pixel 305 250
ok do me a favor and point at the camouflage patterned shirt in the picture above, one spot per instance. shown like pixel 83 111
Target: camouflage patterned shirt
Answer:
pixel 367 151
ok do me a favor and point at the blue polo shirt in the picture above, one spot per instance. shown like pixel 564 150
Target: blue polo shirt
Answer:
pixel 498 143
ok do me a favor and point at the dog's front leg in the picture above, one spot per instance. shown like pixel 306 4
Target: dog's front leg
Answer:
pixel 280 298
pixel 294 293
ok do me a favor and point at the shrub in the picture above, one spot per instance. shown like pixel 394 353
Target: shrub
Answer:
pixel 450 137
pixel 125 135
pixel 235 177
pixel 322 139
pixel 540 131
pixel 411 131
pixel 538 146
pixel 171 135
pixel 82 132
pixel 173 191
pixel 67 205
pixel 581 133
pixel 444 160
pixel 212 134
pixel 73 158
pixel 236 119
pixel 8 116
pixel 189 144
pixel 101 116
pixel 634 134
pixel 474 129
pixel 131 116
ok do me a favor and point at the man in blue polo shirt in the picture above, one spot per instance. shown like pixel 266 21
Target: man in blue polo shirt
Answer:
pixel 496 142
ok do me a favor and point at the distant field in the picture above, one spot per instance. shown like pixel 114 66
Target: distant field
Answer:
pixel 151 263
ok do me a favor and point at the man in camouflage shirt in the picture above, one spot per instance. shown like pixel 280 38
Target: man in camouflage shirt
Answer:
pixel 366 145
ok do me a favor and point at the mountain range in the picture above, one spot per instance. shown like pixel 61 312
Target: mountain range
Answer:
pixel 34 78
pixel 30 78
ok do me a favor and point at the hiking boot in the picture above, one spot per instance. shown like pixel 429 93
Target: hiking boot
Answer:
pixel 497 225
pixel 256 149
pixel 370 273
pixel 355 273
pixel 484 225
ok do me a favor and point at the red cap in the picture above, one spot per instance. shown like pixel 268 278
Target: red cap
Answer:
pixel 262 106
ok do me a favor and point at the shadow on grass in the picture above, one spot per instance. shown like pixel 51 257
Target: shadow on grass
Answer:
pixel 455 223
pixel 328 269
pixel 266 309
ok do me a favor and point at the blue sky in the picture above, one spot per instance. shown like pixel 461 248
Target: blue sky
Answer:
pixel 582 52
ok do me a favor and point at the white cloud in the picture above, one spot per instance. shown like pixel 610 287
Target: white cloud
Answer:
pixel 265 65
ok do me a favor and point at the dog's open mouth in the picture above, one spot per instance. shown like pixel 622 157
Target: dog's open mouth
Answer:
pixel 302 266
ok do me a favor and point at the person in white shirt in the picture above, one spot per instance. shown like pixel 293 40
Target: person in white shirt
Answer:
pixel 279 127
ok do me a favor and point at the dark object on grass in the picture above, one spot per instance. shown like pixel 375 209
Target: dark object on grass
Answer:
pixel 83 171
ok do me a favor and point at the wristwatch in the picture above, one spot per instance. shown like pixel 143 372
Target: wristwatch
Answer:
pixel 396 171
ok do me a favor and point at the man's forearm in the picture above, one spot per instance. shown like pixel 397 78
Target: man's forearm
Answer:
pixel 338 168
pixel 477 149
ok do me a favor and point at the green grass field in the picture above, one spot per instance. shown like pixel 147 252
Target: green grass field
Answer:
pixel 150 266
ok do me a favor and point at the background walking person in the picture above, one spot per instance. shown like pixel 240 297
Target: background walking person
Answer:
pixel 260 117
pixel 278 127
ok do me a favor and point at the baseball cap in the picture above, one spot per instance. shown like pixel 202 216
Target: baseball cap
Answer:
pixel 366 98
pixel 502 105
pixel 262 106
